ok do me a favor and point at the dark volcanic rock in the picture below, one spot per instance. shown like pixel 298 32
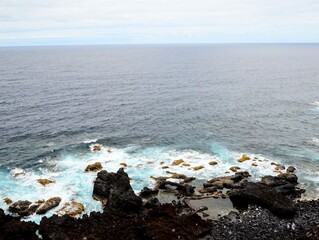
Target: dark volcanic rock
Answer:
pixel 186 189
pixel 13 228
pixel 48 205
pixel 116 188
pixel 158 222
pixel 312 234
pixel 23 208
pixel 290 169
pixel 284 184
pixel 147 192
pixel 260 223
pixel 265 196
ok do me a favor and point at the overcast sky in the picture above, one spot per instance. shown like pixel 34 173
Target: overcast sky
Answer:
pixel 43 22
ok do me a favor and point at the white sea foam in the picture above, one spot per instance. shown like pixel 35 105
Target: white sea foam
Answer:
pixel 90 141
pixel 315 140
pixel 72 183
pixel 315 103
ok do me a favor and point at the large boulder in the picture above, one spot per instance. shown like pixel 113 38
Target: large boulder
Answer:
pixel 72 209
pixel 94 167
pixel 48 205
pixel 116 189
pixel 21 208
pixel 265 196
pixel 284 184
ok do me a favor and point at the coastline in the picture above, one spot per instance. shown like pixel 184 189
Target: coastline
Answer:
pixel 273 211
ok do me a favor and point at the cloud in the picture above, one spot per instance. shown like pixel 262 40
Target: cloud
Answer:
pixel 149 21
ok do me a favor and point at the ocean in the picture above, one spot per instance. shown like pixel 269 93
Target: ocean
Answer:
pixel 148 105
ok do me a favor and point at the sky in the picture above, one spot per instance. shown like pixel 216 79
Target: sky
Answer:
pixel 66 22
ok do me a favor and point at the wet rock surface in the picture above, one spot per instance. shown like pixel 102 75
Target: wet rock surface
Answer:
pixel 125 216
pixel 94 167
pixel 233 181
pixel 22 208
pixel 185 189
pixel 71 209
pixel 265 196
pixel 44 181
pixel 48 205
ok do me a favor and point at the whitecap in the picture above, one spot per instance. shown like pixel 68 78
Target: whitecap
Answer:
pixel 89 141
pixel 142 164
pixel 315 103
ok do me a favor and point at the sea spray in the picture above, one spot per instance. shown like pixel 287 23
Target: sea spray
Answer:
pixel 142 164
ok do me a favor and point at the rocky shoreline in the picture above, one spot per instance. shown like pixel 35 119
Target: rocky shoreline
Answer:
pixel 268 209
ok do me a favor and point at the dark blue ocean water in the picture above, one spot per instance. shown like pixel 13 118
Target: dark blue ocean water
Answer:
pixel 249 97
pixel 245 98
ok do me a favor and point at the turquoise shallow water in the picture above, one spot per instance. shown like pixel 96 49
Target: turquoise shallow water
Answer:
pixel 153 104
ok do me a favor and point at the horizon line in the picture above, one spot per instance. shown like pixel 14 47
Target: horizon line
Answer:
pixel 142 44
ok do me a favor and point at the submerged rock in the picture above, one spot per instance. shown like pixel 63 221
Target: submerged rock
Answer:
pixel 198 168
pixel 213 163
pixel 44 181
pixel 8 201
pixel 96 148
pixel 244 158
pixel 18 172
pixel 290 169
pixel 234 168
pixel 94 167
pixel 48 205
pixel 116 189
pixel 177 162
pixel 279 167
pixel 71 209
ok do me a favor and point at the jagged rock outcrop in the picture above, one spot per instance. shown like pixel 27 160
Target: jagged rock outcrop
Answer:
pixel 23 208
pixel 11 228
pixel 116 189
pixel 160 222
pixel 265 196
